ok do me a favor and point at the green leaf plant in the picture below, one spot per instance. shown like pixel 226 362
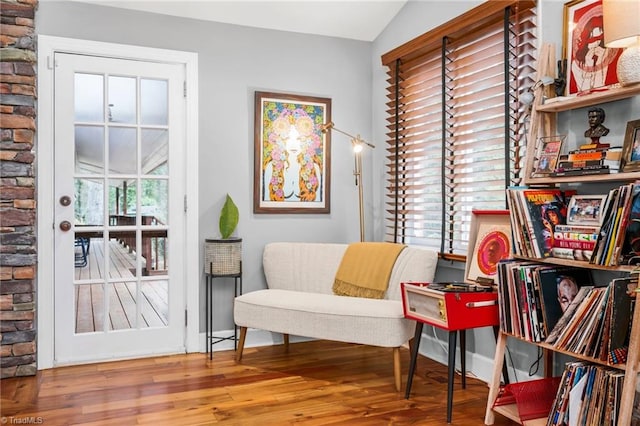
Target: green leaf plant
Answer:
pixel 229 217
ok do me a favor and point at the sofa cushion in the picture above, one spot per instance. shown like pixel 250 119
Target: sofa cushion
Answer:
pixel 325 316
pixel 312 267
pixel 309 267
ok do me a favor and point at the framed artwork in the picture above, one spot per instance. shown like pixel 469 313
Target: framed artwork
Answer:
pixel 547 152
pixel 586 210
pixel 630 160
pixel 489 243
pixel 292 167
pixel 590 66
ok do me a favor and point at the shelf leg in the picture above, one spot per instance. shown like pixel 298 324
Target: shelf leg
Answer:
pixel 505 370
pixel 494 385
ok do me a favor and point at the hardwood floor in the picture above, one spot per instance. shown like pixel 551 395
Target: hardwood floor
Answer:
pixel 314 383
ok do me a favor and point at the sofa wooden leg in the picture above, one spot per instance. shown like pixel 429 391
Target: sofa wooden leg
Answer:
pixel 397 371
pixel 243 335
pixel 285 337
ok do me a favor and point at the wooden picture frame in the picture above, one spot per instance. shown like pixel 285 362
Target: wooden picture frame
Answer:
pixel 490 241
pixel 630 161
pixel 548 151
pixel 292 156
pixel 590 65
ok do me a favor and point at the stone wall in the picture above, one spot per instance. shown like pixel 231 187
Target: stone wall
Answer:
pixel 17 188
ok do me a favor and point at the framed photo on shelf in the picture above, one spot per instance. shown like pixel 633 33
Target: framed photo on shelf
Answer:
pixel 590 65
pixel 292 166
pixel 489 242
pixel 586 210
pixel 630 160
pixel 548 150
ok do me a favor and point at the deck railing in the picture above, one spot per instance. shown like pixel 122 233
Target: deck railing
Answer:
pixel 154 242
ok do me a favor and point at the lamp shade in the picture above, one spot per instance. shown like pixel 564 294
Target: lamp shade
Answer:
pixel 621 22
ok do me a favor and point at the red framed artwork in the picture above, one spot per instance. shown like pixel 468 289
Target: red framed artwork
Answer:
pixel 591 66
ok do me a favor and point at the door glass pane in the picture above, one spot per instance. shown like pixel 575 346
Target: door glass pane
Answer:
pixel 122 100
pixel 89 98
pixel 153 102
pixel 155 303
pixel 89 254
pixel 122 254
pixel 122 202
pixel 89 204
pixel 82 247
pixel 155 201
pixel 89 308
pixel 122 305
pixel 89 146
pixel 155 155
pixel 154 252
pixel 122 150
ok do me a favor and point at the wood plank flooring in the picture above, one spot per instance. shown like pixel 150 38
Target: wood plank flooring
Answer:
pixel 314 383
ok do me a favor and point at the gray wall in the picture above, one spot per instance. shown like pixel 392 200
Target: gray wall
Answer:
pixel 234 62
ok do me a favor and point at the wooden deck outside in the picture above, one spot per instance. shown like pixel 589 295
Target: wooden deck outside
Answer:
pixel 122 295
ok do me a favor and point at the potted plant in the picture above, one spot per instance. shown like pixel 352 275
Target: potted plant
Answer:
pixel 224 256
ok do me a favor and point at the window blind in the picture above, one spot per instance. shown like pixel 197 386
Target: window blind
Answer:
pixel 455 126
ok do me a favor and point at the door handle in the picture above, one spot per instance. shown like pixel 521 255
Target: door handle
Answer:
pixel 65 225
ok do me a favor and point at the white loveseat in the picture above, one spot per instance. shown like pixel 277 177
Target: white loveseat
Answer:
pixel 300 301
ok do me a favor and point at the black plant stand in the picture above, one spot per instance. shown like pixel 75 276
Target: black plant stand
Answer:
pixel 211 339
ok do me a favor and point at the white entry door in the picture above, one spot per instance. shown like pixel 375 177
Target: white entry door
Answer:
pixel 119 208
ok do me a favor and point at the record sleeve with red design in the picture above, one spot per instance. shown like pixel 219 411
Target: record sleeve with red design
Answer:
pixel 492 248
pixel 489 243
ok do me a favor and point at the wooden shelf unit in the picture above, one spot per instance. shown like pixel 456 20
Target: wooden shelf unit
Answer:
pixel 631 368
pixel 543 122
pixel 544 116
pixel 594 98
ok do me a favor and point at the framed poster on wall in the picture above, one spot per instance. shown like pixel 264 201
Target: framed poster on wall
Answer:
pixel 591 65
pixel 292 166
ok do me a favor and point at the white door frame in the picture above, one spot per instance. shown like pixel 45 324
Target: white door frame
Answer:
pixel 47 46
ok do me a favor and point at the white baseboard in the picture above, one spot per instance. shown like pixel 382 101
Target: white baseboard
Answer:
pixel 431 347
pixel 479 366
pixel 255 338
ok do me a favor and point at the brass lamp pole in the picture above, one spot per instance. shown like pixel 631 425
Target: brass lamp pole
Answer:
pixel 358 144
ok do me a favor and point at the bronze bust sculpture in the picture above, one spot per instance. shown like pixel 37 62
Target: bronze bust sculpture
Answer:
pixel 596 128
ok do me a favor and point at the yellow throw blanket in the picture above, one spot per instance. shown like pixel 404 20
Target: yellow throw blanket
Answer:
pixel 365 269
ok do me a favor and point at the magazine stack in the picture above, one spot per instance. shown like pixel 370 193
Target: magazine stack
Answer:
pixel 602 229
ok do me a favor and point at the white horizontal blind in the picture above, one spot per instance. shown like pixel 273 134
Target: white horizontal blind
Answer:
pixel 455 132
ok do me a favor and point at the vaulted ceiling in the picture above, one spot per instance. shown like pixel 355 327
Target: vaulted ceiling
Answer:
pixel 352 19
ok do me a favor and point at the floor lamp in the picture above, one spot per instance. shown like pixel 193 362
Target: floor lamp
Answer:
pixel 358 145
